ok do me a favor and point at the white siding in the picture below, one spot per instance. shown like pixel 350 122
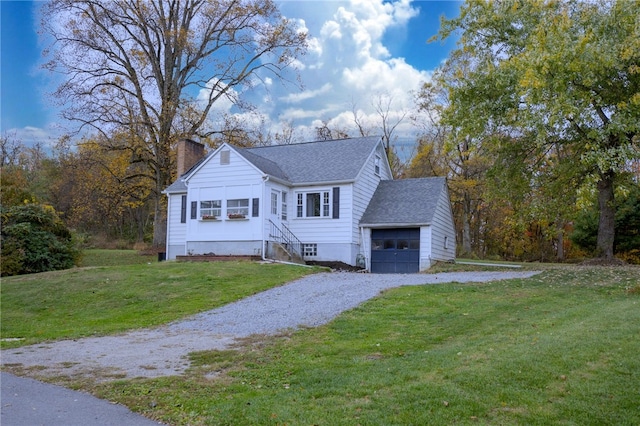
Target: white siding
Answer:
pixel 365 247
pixel 215 181
pixel 365 186
pixel 443 228
pixel 426 239
pixel 176 231
pixel 322 229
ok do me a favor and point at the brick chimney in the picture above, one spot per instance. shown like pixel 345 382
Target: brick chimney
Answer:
pixel 188 153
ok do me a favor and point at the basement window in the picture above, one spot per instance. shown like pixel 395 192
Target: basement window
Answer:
pixel 309 250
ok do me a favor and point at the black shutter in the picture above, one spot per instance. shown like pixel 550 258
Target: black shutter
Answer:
pixel 255 208
pixel 183 210
pixel 194 210
pixel 336 202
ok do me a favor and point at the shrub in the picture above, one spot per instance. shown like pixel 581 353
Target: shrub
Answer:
pixel 34 239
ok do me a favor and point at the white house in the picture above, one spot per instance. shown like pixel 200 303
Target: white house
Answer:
pixel 318 201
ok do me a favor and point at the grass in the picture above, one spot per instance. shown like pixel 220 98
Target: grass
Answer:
pixel 558 348
pixel 99 257
pixel 138 293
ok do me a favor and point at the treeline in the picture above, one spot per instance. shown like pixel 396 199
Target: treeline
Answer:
pixel 504 207
pixel 534 119
pixel 102 194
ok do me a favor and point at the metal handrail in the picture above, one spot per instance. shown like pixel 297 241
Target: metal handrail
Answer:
pixel 285 237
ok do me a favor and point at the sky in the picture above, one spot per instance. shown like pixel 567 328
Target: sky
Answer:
pixel 360 52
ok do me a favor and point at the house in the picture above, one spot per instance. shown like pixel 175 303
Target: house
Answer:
pixel 318 201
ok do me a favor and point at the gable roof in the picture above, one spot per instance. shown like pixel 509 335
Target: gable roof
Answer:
pixel 302 163
pixel 404 202
pixel 313 162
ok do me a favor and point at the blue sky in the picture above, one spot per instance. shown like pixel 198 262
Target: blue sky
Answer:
pixel 360 51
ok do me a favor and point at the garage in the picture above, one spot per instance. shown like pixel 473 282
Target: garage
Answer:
pixel 395 250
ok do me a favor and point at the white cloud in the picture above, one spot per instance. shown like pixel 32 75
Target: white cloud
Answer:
pixel 348 64
pixel 307 94
pixel 224 103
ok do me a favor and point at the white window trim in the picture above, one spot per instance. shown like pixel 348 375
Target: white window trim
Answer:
pixel 283 210
pixel 326 203
pixel 215 211
pixel 241 209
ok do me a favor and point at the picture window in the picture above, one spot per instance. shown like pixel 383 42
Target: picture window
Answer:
pixel 314 204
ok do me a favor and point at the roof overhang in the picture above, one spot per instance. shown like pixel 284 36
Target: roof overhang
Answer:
pixel 393 225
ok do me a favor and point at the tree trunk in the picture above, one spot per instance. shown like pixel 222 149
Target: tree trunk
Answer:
pixel 606 224
pixel 163 179
pixel 560 242
pixel 160 224
pixel 466 226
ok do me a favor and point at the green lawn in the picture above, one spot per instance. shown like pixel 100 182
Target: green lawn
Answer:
pixel 138 293
pixel 559 348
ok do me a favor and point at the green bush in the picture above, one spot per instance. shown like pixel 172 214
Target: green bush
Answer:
pixel 34 239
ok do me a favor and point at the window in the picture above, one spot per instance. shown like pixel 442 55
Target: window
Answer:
pixel 325 204
pixel 283 211
pixel 210 209
pixel 309 250
pixel 314 204
pixel 237 209
pixel 376 165
pixel 274 203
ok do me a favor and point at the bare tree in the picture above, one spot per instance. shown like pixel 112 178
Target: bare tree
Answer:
pixel 138 64
pixel 10 149
pixel 288 134
pixel 327 133
pixel 388 123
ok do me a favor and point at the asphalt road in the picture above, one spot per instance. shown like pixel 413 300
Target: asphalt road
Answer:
pixel 28 402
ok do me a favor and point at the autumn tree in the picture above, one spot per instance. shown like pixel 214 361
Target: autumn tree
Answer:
pixel 451 146
pixel 157 67
pixel 557 73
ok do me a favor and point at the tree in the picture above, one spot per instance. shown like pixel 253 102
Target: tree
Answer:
pixel 455 143
pixel 107 191
pixel 555 72
pixel 156 68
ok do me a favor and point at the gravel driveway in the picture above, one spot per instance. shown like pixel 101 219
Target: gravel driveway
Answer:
pixel 162 351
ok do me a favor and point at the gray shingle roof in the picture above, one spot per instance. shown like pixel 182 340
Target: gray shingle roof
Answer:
pixel 176 187
pixel 311 162
pixel 404 202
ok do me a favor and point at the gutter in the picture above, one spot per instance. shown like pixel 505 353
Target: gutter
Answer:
pixel 393 225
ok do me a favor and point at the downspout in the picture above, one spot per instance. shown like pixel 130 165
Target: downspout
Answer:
pixel 166 243
pixel 265 179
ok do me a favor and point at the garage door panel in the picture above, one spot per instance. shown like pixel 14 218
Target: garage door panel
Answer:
pixel 395 250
